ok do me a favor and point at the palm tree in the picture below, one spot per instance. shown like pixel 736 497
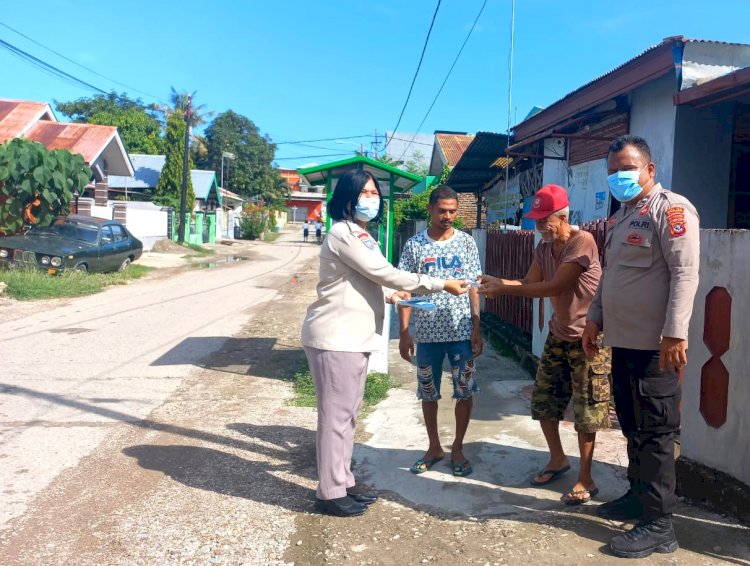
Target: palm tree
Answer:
pixel 198 116
pixel 179 102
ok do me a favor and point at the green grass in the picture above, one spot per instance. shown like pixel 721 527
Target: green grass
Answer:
pixel 376 389
pixel 31 285
pixel 271 236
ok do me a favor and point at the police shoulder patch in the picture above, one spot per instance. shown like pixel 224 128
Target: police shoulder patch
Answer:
pixel 676 218
pixel 367 240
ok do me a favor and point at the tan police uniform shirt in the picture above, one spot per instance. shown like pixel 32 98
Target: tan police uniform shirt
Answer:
pixel 650 272
pixel 355 281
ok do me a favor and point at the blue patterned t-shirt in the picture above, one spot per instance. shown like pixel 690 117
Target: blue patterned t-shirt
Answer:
pixel 456 258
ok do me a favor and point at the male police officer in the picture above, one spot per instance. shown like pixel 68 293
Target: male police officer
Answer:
pixel 643 304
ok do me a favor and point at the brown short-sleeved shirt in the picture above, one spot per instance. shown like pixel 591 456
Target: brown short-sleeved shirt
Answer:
pixel 570 308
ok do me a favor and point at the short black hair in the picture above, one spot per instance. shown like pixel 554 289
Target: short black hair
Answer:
pixel 443 192
pixel 346 194
pixel 636 141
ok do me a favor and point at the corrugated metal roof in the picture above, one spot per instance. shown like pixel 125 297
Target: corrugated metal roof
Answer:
pixel 203 182
pixel 666 43
pixel 482 161
pixel 147 170
pixel 402 180
pixel 453 146
pixel 18 116
pixel 227 194
pixel 87 140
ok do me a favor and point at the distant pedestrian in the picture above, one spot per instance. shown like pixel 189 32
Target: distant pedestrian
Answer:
pixel 305 231
pixel 319 230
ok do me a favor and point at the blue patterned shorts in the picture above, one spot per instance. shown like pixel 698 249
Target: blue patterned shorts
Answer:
pixel 430 356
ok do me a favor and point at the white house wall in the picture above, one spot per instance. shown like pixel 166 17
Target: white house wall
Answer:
pixel 652 116
pixel 555 171
pixel 724 263
pixel 102 211
pixel 588 192
pixel 147 223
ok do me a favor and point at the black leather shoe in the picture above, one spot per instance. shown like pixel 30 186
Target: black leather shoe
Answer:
pixel 364 498
pixel 340 507
pixel 645 538
pixel 623 508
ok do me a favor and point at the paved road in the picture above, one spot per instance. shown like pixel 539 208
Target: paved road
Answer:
pixel 70 373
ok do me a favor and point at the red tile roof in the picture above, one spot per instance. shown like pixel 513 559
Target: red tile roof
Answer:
pixel 18 116
pixel 88 140
pixel 453 146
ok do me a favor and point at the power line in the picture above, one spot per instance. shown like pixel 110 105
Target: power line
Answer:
pixel 411 140
pixel 78 64
pixel 421 58
pixel 47 67
pixel 313 156
pixel 323 139
pixel 301 145
pixel 440 90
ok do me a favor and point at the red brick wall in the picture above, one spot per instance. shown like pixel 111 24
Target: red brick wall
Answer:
pixel 467 210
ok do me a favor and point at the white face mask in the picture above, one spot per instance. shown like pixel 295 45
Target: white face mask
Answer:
pixel 367 208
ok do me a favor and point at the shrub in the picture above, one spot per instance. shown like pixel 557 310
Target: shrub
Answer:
pixel 253 222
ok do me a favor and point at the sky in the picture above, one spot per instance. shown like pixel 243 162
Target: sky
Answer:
pixel 341 70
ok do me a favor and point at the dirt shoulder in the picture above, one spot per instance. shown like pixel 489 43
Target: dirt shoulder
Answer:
pixel 224 473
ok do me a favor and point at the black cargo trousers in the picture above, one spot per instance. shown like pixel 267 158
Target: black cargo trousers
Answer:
pixel 647 402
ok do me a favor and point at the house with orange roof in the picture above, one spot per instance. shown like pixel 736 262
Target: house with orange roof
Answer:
pixel 100 146
pixel 448 149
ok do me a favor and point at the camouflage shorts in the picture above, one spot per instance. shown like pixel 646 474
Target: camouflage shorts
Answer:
pixel 564 372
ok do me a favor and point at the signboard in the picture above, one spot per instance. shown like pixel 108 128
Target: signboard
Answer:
pixel 588 192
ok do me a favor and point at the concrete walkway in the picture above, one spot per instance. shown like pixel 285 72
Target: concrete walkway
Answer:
pixel 506 448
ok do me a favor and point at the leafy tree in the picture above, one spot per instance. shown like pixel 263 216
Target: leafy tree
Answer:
pixel 415 206
pixel 137 123
pixel 37 184
pixel 388 160
pixel 169 187
pixel 251 172
pixel 416 164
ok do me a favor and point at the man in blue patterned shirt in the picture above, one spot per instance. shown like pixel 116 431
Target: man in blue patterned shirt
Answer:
pixel 451 330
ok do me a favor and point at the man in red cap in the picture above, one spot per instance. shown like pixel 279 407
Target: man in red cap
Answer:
pixel 566 269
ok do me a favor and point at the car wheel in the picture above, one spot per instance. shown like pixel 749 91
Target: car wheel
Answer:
pixel 125 264
pixel 81 268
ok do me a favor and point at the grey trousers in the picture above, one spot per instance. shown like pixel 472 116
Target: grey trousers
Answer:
pixel 339 379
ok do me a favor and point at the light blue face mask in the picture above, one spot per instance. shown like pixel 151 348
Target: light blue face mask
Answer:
pixel 367 208
pixel 624 184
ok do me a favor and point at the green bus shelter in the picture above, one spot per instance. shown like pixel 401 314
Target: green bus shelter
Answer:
pixel 391 180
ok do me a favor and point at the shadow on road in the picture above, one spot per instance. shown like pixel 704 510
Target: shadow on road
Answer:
pixel 257 356
pixel 277 454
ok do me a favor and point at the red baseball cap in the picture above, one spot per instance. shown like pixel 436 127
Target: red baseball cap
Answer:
pixel 547 200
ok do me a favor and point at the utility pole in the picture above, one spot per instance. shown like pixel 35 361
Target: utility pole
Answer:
pixel 185 172
pixel 376 145
pixel 510 103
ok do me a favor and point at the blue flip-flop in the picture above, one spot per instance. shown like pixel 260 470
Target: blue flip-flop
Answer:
pixel 554 474
pixel 424 464
pixel 462 469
